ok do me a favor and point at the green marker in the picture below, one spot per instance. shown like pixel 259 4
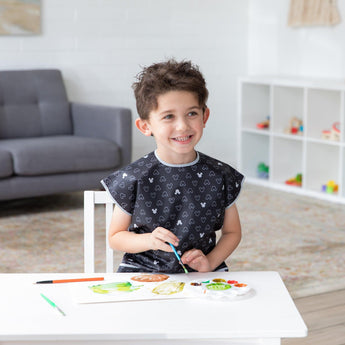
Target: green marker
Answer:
pixel 53 304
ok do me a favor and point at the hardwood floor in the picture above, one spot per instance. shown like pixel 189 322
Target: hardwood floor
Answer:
pixel 324 316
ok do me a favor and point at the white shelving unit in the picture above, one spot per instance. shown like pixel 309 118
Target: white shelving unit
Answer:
pixel 319 104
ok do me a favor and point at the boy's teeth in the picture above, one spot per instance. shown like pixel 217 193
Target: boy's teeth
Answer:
pixel 182 138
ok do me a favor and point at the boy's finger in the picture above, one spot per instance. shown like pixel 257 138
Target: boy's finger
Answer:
pixel 168 236
pixel 169 239
pixel 192 254
pixel 165 247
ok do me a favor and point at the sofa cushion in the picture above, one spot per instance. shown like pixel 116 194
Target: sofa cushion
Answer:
pixel 61 154
pixel 6 166
pixel 33 103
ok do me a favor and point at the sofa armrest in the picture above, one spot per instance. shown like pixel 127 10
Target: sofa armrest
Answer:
pixel 106 122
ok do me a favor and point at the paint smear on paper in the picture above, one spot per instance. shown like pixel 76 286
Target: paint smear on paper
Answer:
pixel 149 278
pixel 112 287
pixel 168 288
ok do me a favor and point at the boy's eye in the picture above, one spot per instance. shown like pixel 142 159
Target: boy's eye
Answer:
pixel 168 117
pixel 192 113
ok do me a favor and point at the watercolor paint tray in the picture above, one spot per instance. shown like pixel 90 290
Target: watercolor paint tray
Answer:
pixel 170 287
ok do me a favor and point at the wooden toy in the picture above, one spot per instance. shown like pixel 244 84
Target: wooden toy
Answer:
pixel 264 124
pixel 295 126
pixel 263 170
pixel 333 133
pixel 295 181
pixel 330 187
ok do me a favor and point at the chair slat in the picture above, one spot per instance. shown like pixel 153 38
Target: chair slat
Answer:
pixel 89 234
pixel 102 197
pixel 91 198
pixel 109 207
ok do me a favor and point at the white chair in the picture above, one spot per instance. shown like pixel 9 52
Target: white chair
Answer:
pixel 91 198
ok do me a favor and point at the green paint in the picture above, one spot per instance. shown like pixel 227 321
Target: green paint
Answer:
pixel 112 287
pixel 218 286
pixel 168 288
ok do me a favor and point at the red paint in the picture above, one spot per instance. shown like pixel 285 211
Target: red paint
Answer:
pixel 232 282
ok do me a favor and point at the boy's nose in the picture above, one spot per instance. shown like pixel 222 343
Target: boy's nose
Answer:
pixel 182 124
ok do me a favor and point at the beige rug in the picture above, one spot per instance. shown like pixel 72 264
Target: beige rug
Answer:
pixel 301 238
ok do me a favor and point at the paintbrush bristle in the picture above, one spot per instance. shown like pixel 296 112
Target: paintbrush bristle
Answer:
pixel 184 268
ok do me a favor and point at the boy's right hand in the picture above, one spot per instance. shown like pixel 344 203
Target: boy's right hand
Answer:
pixel 160 236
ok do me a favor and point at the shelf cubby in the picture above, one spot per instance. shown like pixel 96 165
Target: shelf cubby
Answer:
pixel 287 159
pixel 253 157
pixel 287 104
pixel 322 165
pixel 342 178
pixel 324 109
pixel 258 108
pixel 318 104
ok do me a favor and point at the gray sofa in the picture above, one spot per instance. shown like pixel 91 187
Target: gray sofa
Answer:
pixel 49 145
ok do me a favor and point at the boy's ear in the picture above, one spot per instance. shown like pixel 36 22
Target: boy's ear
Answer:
pixel 143 126
pixel 206 116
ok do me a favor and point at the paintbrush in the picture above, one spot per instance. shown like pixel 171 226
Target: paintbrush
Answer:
pixel 178 258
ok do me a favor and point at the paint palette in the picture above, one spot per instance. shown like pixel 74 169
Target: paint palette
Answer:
pixel 220 288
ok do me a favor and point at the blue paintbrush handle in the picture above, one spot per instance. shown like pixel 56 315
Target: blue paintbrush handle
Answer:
pixel 173 248
pixel 178 258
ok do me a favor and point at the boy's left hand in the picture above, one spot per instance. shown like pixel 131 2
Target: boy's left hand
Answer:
pixel 197 260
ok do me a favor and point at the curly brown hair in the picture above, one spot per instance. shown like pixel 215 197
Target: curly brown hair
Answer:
pixel 163 77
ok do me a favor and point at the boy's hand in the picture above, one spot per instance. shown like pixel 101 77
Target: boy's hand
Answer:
pixel 197 260
pixel 160 236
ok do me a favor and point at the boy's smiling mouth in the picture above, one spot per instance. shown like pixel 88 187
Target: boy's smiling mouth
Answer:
pixel 183 139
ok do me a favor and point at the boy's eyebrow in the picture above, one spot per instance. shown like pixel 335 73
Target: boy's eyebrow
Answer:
pixel 173 110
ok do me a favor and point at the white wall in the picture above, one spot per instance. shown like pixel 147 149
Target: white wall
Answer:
pixel 276 49
pixel 100 45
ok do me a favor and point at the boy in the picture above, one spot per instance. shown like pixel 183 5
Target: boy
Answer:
pixel 175 194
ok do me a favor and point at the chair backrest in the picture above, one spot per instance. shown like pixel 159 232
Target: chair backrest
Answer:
pixel 92 198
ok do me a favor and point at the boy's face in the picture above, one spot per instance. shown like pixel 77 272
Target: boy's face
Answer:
pixel 177 126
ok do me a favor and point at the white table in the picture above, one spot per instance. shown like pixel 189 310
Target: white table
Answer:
pixel 264 318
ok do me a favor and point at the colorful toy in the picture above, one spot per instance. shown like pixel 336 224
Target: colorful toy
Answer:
pixel 263 170
pixel 295 126
pixel 295 181
pixel 333 133
pixel 264 124
pixel 330 188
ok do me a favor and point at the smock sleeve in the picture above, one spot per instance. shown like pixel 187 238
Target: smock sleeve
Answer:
pixel 233 181
pixel 121 186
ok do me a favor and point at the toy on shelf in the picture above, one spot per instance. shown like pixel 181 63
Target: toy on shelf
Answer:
pixel 295 181
pixel 330 187
pixel 295 126
pixel 333 133
pixel 264 124
pixel 262 170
